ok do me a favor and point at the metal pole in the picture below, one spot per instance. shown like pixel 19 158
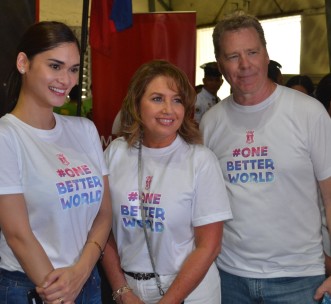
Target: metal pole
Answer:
pixel 151 6
pixel 328 27
pixel 83 42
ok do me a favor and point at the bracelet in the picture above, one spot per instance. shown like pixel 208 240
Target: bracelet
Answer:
pixel 121 291
pixel 102 253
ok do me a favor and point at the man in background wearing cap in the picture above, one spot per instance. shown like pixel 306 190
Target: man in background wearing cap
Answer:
pixel 274 72
pixel 207 98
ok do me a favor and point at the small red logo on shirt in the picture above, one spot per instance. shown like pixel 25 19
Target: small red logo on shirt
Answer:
pixel 249 137
pixel 63 159
pixel 148 182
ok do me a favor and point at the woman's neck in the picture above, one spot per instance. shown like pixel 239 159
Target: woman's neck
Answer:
pixel 38 118
pixel 157 143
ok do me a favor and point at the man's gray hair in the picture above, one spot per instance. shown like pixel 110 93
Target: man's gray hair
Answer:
pixel 234 22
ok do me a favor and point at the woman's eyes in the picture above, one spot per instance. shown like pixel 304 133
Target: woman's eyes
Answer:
pixel 56 66
pixel 157 99
pixel 75 70
pixel 160 99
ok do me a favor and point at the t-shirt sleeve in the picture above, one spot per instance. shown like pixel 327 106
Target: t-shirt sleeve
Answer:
pixel 320 145
pixel 211 203
pixel 10 177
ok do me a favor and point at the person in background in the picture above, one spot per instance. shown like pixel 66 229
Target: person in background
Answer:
pixel 323 92
pixel 168 195
pixel 88 105
pixel 207 97
pixel 55 212
pixel 302 83
pixel 116 125
pixel 273 145
pixel 274 72
pixel 198 88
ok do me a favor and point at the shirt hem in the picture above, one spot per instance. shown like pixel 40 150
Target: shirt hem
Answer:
pixel 276 274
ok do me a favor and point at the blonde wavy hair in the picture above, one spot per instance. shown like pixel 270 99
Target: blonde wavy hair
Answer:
pixel 131 124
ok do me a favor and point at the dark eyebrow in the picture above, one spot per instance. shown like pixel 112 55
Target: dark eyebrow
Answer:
pixel 55 60
pixel 62 63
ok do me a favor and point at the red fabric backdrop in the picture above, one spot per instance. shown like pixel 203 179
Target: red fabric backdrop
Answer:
pixel 117 55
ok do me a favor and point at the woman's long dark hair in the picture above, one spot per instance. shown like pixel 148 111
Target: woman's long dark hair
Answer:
pixel 40 37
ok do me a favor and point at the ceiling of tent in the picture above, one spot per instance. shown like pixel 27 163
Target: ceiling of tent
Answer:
pixel 208 11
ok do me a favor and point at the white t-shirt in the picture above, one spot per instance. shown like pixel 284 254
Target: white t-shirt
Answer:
pixel 183 188
pixel 204 102
pixel 59 172
pixel 272 155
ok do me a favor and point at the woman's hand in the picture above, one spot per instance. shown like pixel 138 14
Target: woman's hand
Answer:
pixel 208 245
pixel 129 298
pixel 62 284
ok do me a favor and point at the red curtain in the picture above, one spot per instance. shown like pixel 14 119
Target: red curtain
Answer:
pixel 117 55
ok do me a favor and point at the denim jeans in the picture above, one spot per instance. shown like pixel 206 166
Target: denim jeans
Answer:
pixel 14 286
pixel 91 292
pixel 287 290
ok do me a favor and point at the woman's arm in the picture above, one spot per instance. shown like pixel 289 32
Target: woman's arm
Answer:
pixel 14 223
pixel 208 245
pixel 325 187
pixel 112 267
pixel 99 232
pixel 68 282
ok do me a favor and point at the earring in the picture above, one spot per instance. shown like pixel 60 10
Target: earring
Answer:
pixel 22 71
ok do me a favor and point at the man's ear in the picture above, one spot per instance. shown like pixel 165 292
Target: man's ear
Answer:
pixel 204 80
pixel 22 62
pixel 219 66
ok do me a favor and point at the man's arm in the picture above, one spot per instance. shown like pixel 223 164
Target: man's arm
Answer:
pixel 325 187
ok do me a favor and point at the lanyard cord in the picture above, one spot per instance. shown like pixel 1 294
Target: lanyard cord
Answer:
pixel 140 193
